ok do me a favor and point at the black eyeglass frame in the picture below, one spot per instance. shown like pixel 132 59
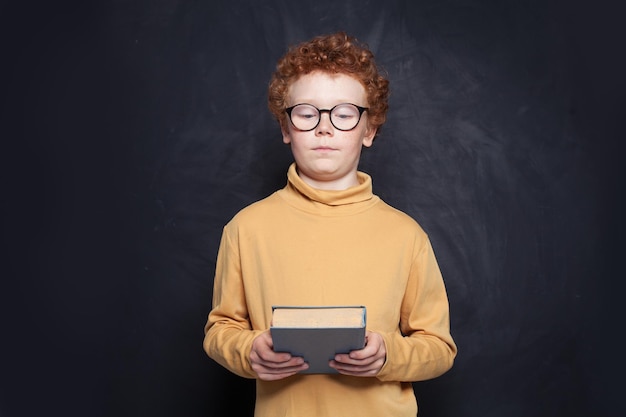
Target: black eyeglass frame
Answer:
pixel 361 110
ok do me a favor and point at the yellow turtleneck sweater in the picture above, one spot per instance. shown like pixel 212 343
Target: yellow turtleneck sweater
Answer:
pixel 303 246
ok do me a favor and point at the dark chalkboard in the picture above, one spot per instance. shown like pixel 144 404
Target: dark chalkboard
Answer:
pixel 133 131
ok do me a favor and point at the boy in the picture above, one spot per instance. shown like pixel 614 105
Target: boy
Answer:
pixel 326 239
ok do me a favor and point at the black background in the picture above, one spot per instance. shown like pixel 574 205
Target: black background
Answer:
pixel 133 130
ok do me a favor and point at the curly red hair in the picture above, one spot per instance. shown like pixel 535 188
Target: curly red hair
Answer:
pixel 336 53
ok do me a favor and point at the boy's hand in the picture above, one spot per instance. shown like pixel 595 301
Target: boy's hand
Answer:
pixel 269 365
pixel 364 362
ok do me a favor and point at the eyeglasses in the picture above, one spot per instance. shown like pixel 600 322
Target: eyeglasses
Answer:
pixel 344 116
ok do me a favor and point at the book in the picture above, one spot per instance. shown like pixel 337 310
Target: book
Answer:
pixel 318 333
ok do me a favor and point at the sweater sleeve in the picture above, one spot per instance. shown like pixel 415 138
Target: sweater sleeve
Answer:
pixel 228 332
pixel 423 348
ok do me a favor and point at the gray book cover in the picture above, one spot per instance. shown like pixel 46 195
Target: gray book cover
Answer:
pixel 318 345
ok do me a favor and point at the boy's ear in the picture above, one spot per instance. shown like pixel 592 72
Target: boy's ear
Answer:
pixel 368 137
pixel 286 135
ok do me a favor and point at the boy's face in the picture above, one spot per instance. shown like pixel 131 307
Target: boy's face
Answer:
pixel 326 157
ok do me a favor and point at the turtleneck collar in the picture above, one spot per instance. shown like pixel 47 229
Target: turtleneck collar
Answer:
pixel 300 194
